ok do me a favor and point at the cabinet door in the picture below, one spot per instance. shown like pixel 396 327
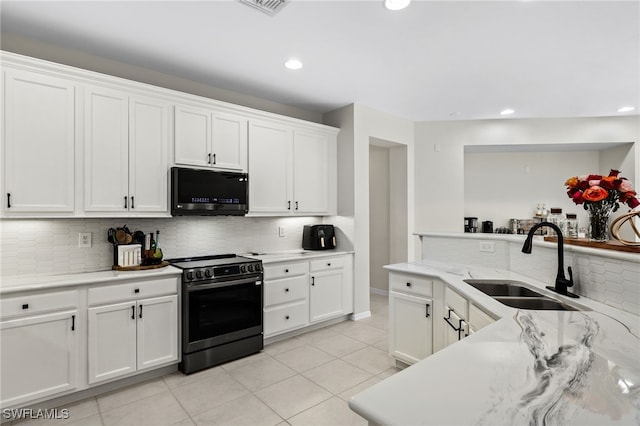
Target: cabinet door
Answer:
pixel 39 143
pixel 112 341
pixel 326 296
pixel 148 155
pixel 39 356
pixel 411 327
pixel 270 175
pixel 229 142
pixel 310 173
pixel 192 136
pixel 106 150
pixel 157 331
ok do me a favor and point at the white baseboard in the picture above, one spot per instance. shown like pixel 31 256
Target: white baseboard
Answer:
pixel 379 291
pixel 360 315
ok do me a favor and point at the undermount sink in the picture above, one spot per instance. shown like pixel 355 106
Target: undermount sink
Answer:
pixel 502 288
pixel 535 303
pixel 516 295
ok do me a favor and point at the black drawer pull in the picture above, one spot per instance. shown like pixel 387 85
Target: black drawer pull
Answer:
pixel 137 290
pixel 313 281
pixel 73 322
pixel 140 314
pixel 427 315
pixel 286 290
pixel 287 317
pixel 328 264
pixel 447 318
pixel 8 200
pixel 133 312
pixel 25 306
pixel 408 284
pixel 286 271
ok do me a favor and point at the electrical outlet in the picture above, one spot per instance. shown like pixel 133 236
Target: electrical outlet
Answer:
pixel 281 231
pixel 84 239
pixel 487 246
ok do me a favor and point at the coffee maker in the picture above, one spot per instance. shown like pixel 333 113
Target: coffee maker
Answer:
pixel 471 224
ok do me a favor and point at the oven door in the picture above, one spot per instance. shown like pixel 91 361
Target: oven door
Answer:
pixel 221 312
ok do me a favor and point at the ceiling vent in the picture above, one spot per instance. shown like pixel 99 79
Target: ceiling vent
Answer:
pixel 270 7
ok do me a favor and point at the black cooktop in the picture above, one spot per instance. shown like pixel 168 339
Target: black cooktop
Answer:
pixel 208 261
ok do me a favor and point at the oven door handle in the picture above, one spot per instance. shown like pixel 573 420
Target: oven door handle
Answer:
pixel 198 287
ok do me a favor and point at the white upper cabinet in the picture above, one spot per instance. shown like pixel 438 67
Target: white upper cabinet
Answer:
pixel 270 174
pixel 126 147
pixel 291 171
pixel 210 138
pixel 38 144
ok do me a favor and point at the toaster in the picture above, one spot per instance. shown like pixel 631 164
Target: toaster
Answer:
pixel 318 237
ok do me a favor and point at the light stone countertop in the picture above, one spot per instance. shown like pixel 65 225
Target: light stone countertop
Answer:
pixel 294 255
pixel 529 367
pixel 21 283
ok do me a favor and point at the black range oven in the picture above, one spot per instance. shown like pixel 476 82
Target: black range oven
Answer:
pixel 222 303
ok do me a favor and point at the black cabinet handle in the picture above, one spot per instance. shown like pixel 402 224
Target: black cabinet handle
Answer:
pixel 286 271
pixel 296 205
pixel 132 205
pixel 408 284
pixel 427 315
pixel 214 159
pixel 133 312
pixel 25 306
pixel 137 290
pixel 8 200
pixel 140 312
pixel 287 317
pixel 461 332
pixel 447 318
pixel 313 280
pixel 209 158
pixel 329 264
pixel 125 201
pixel 286 290
pixel 289 205
pixel 73 322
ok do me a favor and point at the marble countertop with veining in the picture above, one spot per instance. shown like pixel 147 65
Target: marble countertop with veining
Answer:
pixel 529 367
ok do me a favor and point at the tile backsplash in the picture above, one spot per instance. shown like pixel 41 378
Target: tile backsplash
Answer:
pixel 50 246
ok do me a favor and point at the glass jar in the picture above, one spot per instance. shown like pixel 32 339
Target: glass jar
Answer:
pixel 555 217
pixel 571 225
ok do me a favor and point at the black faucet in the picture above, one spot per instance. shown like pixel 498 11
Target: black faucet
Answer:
pixel 561 281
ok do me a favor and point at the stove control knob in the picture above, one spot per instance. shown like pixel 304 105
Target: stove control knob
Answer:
pixel 189 275
pixel 243 269
pixel 208 273
pixel 199 274
pixel 258 267
pixel 250 267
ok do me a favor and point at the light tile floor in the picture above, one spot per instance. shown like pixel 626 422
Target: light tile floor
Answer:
pixel 304 380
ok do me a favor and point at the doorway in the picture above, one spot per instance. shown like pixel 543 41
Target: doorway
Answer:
pixel 388 225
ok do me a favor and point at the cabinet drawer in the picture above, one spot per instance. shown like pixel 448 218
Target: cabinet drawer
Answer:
pixel 284 318
pixel 411 284
pixel 285 290
pixel 130 291
pixel 37 303
pixel 327 264
pixel 283 270
pixel 456 302
pixel 478 318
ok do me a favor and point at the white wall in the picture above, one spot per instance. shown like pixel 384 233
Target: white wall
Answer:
pixel 379 216
pixel 359 125
pixel 439 156
pixel 500 186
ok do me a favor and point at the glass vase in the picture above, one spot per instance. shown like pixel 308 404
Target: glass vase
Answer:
pixel 599 223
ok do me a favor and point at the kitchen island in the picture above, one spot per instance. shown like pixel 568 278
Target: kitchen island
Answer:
pixel 529 367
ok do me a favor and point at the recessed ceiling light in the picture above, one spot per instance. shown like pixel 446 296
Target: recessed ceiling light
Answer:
pixel 396 4
pixel 626 109
pixel 507 111
pixel 293 64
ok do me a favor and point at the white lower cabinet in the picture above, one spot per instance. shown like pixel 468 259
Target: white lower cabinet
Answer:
pixel 39 337
pixel 410 317
pixel 300 293
pixel 134 334
pixel 411 335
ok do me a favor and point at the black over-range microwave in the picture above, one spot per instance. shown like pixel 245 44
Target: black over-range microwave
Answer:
pixel 208 192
